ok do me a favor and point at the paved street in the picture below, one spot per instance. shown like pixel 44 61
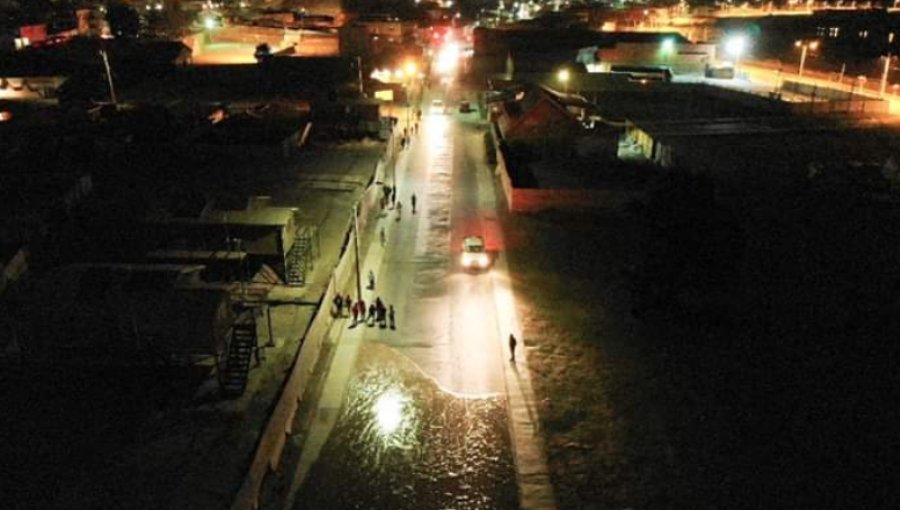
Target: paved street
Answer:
pixel 417 417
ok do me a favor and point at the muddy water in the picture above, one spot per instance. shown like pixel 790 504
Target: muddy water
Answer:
pixel 401 442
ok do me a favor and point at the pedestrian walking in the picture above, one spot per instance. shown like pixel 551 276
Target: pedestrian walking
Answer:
pixel 399 210
pixel 412 200
pixel 370 319
pixel 355 311
pixel 512 348
pixel 391 317
pixel 383 237
pixel 393 196
pixel 371 280
pixel 338 306
pixel 382 321
pixel 348 303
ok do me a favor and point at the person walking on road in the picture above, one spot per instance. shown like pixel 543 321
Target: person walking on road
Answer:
pixel 383 237
pixel 391 317
pixel 348 304
pixel 512 348
pixel 371 280
pixel 370 319
pixel 355 311
pixel 412 201
pixel 399 210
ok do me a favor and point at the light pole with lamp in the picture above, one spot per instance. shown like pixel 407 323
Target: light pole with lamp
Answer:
pixel 667 48
pixel 887 66
pixel 735 46
pixel 356 248
pixel 804 46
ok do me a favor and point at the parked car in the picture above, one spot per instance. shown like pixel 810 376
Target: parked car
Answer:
pixel 465 107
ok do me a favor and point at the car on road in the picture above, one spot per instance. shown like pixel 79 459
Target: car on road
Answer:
pixel 474 256
pixel 437 107
pixel 465 107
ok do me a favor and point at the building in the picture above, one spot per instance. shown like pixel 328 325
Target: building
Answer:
pixel 266 235
pixel 648 49
pixel 118 313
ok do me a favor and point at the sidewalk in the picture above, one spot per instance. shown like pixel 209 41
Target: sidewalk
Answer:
pixel 347 341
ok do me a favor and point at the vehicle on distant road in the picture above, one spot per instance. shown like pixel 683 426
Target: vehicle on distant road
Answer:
pixel 474 256
pixel 465 107
pixel 438 107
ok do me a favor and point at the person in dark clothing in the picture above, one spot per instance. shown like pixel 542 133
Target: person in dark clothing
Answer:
pixel 512 347
pixel 338 308
pixel 370 319
pixel 391 317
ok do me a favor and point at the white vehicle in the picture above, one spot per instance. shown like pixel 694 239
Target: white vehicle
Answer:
pixel 473 254
pixel 437 107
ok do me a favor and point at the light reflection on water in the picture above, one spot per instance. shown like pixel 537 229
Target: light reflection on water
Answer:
pixel 401 442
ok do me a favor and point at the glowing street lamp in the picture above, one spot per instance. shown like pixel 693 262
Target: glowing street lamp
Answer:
pixel 563 77
pixel 667 47
pixel 735 46
pixel 805 45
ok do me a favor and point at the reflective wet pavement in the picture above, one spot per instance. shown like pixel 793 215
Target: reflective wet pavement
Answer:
pixel 403 442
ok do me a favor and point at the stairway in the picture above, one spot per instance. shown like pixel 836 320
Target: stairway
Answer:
pixel 299 259
pixel 237 364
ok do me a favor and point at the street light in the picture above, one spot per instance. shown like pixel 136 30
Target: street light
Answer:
pixel 887 66
pixel 667 48
pixel 804 46
pixel 735 46
pixel 563 77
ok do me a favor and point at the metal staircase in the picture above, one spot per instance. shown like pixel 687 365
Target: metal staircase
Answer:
pixel 237 364
pixel 300 257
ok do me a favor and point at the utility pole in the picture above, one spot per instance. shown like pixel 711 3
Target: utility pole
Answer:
pixel 112 88
pixel 887 67
pixel 356 246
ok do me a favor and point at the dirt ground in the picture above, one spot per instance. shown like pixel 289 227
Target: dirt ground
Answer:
pixel 693 353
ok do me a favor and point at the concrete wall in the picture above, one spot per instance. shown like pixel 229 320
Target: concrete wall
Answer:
pixel 525 200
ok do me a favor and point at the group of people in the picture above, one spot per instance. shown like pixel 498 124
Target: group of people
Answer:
pixel 376 313
pixel 390 199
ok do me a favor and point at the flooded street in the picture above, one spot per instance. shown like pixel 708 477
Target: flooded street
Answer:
pixel 402 442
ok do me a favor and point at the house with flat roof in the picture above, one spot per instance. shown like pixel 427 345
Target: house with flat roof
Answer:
pixel 266 235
